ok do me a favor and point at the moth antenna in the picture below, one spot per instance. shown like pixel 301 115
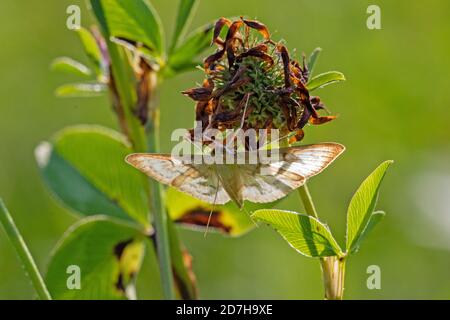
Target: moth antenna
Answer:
pixel 245 111
pixel 193 143
pixel 212 208
pixel 279 139
pixel 233 135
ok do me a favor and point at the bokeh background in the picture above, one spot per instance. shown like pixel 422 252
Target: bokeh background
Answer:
pixel 394 105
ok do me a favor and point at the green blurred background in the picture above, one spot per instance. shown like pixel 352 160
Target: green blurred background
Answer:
pixel 394 105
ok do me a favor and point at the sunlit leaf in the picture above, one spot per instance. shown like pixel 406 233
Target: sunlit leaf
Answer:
pixel 135 20
pixel 69 65
pixel 324 79
pixel 193 213
pixel 186 9
pixel 82 90
pixel 106 255
pixel 362 205
pixel 313 59
pixel 84 166
pixel 304 233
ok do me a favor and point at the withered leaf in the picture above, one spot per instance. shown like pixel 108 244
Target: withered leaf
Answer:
pixel 258 52
pixel 286 64
pixel 218 28
pixel 321 120
pixel 233 30
pixel 188 291
pixel 306 114
pixel 258 26
pixel 200 216
pixel 298 136
pixel 209 61
pixel 143 91
pixel 198 94
pixel 230 41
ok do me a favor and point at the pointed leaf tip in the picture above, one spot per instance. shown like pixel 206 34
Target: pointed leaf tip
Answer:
pixel 362 206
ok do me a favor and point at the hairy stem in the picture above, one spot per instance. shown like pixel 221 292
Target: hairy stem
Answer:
pixel 333 268
pixel 24 253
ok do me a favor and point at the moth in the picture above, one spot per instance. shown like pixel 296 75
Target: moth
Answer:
pixel 260 182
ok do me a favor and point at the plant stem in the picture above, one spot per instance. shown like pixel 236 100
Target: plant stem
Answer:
pixel 132 127
pixel 24 253
pixel 333 268
pixel 307 201
pixel 333 272
pixel 159 212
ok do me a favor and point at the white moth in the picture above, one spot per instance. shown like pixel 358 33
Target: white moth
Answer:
pixel 220 183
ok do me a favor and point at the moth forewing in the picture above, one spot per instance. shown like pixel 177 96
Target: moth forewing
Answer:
pixel 271 181
pixel 309 160
pixel 199 181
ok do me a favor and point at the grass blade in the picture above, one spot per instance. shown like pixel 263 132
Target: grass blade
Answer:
pixel 24 254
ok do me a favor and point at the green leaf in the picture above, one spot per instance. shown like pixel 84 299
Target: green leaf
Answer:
pixel 374 219
pixel 81 90
pixel 324 79
pixel 186 9
pixel 362 205
pixel 198 41
pixel 313 59
pixel 304 233
pixel 193 213
pixel 69 65
pixel 135 20
pixel 62 179
pixel 92 50
pixel 107 254
pixel 84 166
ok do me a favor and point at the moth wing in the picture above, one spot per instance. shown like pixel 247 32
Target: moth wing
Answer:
pixel 198 181
pixel 308 160
pixel 263 183
pixel 269 182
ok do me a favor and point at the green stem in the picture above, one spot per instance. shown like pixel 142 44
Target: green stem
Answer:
pixel 333 271
pixel 160 214
pixel 23 252
pixel 333 268
pixel 307 201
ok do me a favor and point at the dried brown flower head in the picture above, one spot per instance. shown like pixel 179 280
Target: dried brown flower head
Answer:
pixel 251 79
